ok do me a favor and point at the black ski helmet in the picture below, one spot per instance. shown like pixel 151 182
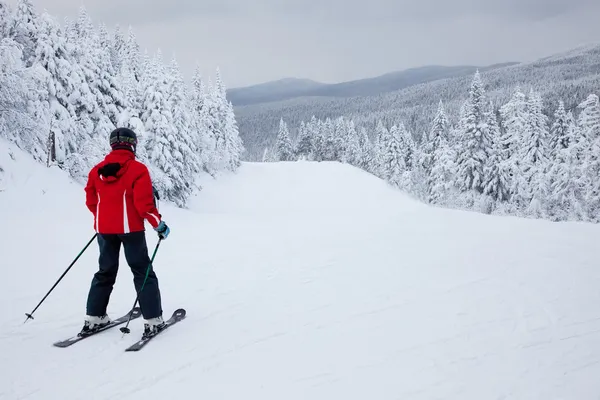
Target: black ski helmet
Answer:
pixel 123 138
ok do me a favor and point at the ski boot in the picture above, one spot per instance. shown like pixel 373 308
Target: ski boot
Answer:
pixel 153 326
pixel 92 324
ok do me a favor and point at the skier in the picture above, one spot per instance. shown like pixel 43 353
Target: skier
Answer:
pixel 120 194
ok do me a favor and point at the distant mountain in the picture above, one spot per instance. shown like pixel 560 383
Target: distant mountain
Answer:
pixel 570 76
pixel 291 88
pixel 282 89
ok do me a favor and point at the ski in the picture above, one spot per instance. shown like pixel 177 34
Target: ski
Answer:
pixel 135 313
pixel 177 316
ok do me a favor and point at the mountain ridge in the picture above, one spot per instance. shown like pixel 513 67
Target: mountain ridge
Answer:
pixel 292 87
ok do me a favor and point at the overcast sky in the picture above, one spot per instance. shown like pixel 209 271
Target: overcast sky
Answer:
pixel 253 41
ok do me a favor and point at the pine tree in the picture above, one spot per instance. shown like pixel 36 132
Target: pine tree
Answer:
pixel 559 131
pixel 473 140
pixel 393 164
pixel 18 122
pixel 514 123
pixel 533 155
pixel 407 146
pixel 117 49
pixel 60 81
pixel 158 122
pixel 24 29
pixel 304 148
pixel 339 140
pixel 589 124
pixel 185 155
pixel 379 149
pixel 567 187
pixel 329 141
pixel 366 151
pixel 217 112
pixel 229 144
pixel 440 188
pixel 5 20
pixel 437 135
pixel 284 147
pixel 536 133
pixel 315 132
pixel 201 135
pixel 233 141
pixel 497 169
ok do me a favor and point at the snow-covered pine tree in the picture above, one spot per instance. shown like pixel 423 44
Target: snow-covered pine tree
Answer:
pixel 17 121
pixel 130 67
pixel 304 147
pixel 473 140
pixel 329 141
pixel 497 168
pixel 132 56
pixel 379 149
pixel 407 146
pixel 514 117
pixel 214 111
pixel 229 143
pixel 425 151
pixel 316 132
pixel 233 141
pixel 533 155
pixel 185 156
pixel 161 135
pixel 352 151
pixel 392 159
pixel 284 148
pixel 24 29
pixel 117 49
pixel 440 182
pixel 202 136
pixel 367 157
pixel 567 187
pixel 339 140
pixel 536 138
pixel 94 57
pixel 437 135
pixel 589 125
pixel 5 19
pixel 60 81
pixel 559 131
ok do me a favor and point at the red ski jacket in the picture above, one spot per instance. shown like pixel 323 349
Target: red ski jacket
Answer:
pixel 119 194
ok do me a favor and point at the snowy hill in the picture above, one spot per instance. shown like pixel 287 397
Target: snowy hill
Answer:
pixel 304 281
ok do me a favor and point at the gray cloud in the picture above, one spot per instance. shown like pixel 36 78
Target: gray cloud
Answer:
pixel 334 40
pixel 143 11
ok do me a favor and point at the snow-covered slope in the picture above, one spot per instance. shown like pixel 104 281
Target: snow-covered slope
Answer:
pixel 304 281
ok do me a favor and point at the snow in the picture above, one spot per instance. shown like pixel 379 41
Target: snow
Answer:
pixel 303 280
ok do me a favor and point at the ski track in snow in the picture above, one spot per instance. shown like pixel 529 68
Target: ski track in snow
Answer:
pixel 305 280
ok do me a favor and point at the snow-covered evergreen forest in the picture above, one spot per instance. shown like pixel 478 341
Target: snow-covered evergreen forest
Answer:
pixel 508 159
pixel 64 88
pixel 568 76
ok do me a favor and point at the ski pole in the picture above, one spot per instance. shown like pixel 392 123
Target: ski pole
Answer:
pixel 125 329
pixel 30 315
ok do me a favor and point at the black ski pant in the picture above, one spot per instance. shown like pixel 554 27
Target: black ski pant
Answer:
pixel 136 254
